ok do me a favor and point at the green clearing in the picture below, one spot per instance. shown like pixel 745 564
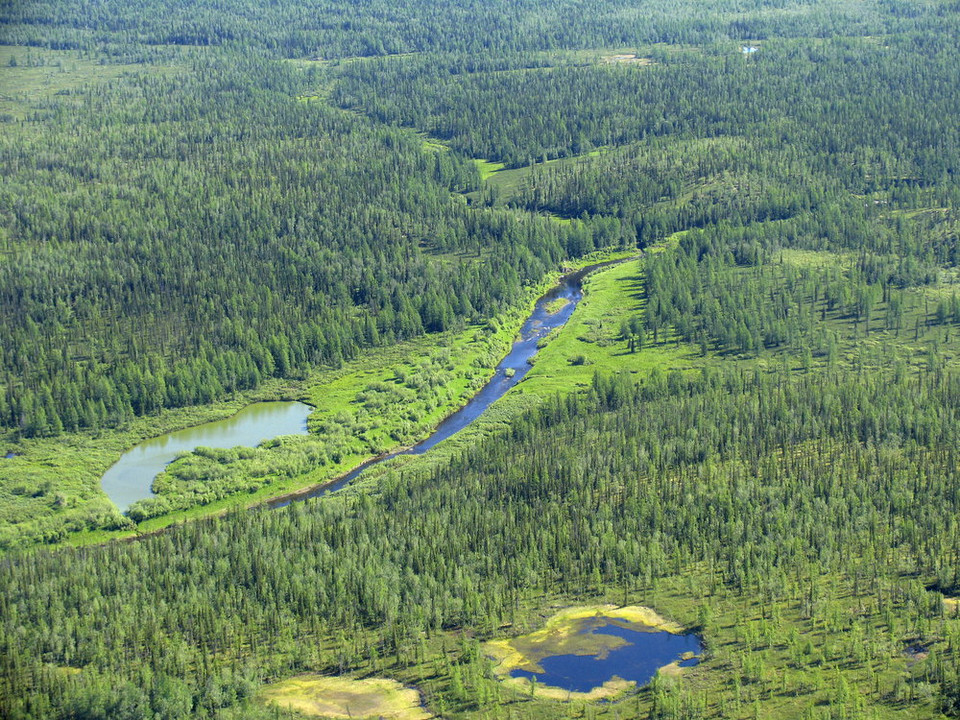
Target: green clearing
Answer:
pixel 339 697
pixel 31 78
pixel 487 168
pixel 502 184
pixel 375 404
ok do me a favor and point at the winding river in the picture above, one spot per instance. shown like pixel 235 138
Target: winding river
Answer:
pixel 131 478
pixel 551 311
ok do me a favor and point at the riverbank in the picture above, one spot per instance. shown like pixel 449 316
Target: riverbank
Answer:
pixel 589 343
pixel 50 493
pixel 547 317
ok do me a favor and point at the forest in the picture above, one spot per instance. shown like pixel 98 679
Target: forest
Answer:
pixel 749 424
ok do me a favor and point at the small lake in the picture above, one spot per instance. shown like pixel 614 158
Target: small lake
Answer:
pixel 641 651
pixel 131 478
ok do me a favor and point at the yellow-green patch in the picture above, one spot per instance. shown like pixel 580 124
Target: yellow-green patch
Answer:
pixel 488 167
pixel 338 697
pixel 562 635
pixel 555 306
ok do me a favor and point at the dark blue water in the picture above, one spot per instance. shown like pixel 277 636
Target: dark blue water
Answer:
pixel 646 652
pixel 509 372
pixel 9 456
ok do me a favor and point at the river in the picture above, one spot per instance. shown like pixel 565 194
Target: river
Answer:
pixel 546 316
pixel 131 478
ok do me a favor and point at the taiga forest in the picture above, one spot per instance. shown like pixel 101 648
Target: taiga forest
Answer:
pixel 603 325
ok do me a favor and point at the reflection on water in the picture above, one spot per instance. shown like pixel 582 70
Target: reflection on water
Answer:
pixel 644 651
pixel 130 478
pixel 509 372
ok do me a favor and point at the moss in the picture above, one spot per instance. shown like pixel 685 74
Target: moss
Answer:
pixel 339 697
pixel 562 634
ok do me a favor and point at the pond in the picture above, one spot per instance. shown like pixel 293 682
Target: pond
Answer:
pixel 642 652
pixel 131 478
pixel 594 652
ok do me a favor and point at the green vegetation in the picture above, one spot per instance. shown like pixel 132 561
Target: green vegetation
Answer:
pixel 51 489
pixel 341 697
pixel 750 427
pixel 715 509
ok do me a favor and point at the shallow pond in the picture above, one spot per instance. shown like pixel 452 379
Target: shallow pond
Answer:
pixel 613 648
pixel 132 476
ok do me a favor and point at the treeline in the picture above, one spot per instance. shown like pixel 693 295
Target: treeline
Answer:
pixel 724 289
pixel 838 105
pixel 164 252
pixel 334 29
pixel 771 482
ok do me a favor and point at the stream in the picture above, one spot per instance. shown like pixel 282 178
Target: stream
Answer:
pixel 131 478
pixel 544 318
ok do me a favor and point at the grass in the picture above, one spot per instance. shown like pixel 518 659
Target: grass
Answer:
pixel 590 342
pixel 506 182
pixel 555 306
pixel 339 697
pixel 563 634
pixel 51 491
pixel 38 76
pixel 486 168
pixel 53 484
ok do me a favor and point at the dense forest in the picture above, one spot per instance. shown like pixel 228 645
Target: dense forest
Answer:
pixel 326 29
pixel 176 253
pixel 753 428
pixel 759 484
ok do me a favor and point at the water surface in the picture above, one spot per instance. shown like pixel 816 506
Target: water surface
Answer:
pixel 509 372
pixel 131 478
pixel 646 651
